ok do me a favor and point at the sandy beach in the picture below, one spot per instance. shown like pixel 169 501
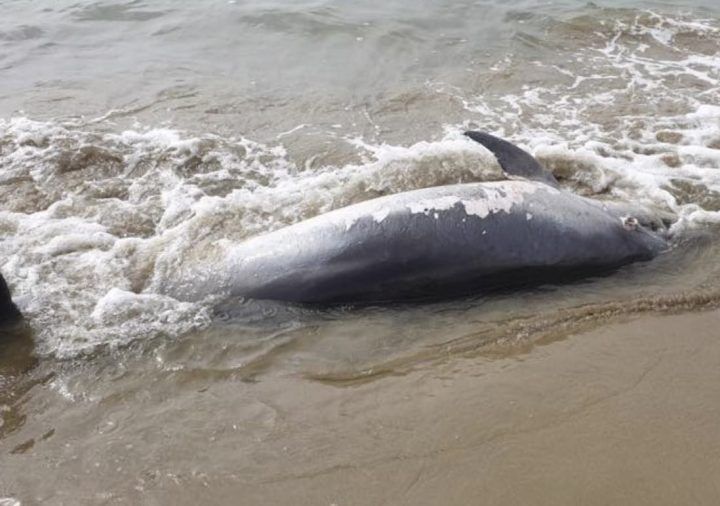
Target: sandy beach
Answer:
pixel 143 142
pixel 623 414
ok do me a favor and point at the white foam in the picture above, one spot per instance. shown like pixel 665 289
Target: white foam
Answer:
pixel 92 271
pixel 70 243
pixel 568 124
pixel 90 250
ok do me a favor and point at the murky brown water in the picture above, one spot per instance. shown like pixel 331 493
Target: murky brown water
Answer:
pixel 138 139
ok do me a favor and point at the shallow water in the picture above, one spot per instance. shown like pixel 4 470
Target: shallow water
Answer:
pixel 139 139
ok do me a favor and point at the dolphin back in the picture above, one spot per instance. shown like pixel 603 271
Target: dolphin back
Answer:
pixel 9 312
pixel 513 160
pixel 428 243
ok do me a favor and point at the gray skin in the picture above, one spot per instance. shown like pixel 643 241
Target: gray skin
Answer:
pixel 438 242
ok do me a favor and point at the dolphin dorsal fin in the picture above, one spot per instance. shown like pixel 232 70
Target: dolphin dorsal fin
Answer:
pixel 513 160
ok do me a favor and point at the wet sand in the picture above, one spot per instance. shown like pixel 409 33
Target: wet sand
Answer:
pixel 623 414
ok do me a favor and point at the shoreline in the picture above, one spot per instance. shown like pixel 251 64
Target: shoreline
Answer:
pixel 621 414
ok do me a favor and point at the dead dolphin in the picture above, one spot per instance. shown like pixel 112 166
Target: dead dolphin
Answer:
pixel 435 242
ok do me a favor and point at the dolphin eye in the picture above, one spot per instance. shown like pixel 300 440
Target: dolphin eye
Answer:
pixel 630 222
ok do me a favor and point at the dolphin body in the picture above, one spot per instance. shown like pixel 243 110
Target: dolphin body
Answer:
pixel 436 242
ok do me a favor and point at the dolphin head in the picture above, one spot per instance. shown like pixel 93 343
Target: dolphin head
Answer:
pixel 651 219
pixel 653 223
pixel 653 240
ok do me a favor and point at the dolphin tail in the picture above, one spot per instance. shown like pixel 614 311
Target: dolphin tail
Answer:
pixel 513 160
pixel 9 312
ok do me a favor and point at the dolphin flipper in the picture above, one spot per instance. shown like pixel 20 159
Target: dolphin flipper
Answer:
pixel 513 160
pixel 9 312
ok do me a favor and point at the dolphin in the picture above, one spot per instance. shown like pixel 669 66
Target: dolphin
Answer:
pixel 436 242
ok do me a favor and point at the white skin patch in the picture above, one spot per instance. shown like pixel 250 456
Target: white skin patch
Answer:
pixel 437 204
pixel 492 198
pixel 496 199
pixel 529 216
pixel 380 215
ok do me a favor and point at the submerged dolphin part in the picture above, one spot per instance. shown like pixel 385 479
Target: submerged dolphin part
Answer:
pixel 9 313
pixel 434 242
